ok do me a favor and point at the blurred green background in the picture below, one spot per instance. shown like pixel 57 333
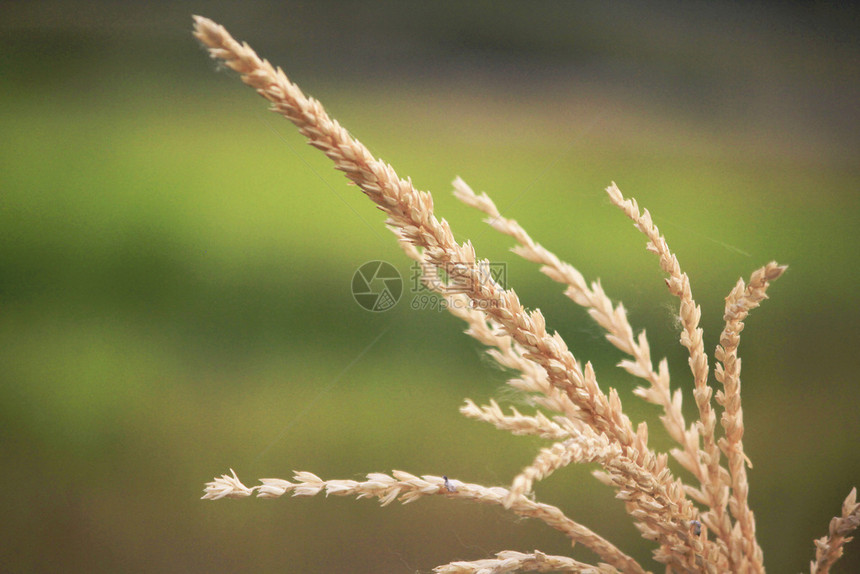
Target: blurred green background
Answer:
pixel 175 266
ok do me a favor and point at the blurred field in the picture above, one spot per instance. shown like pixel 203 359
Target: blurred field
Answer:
pixel 175 267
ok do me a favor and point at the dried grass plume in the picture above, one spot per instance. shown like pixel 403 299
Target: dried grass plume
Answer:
pixel 703 525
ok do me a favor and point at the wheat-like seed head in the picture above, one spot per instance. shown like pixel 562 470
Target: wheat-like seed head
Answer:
pixel 509 561
pixel 589 425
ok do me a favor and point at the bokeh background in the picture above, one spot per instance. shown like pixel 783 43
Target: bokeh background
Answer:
pixel 175 265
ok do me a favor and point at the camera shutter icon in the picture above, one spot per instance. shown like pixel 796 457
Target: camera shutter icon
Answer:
pixel 377 286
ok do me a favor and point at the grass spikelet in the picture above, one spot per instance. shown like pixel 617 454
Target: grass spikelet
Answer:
pixel 705 526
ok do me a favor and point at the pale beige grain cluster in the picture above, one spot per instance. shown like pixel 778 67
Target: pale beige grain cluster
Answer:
pixel 516 423
pixel 405 488
pixel 714 491
pixel 612 319
pixel 829 549
pixel 703 527
pixel 227 486
pixel 745 551
pixel 665 520
pixel 509 561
